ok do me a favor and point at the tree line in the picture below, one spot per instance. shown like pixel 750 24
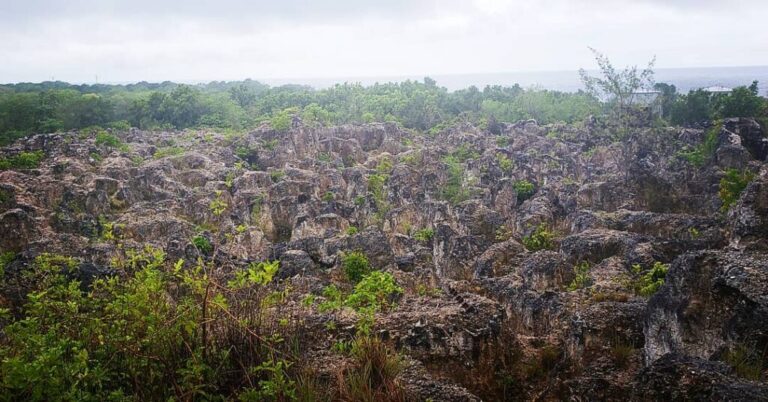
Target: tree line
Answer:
pixel 28 108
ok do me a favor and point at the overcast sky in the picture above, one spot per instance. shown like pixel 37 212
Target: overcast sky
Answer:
pixel 194 40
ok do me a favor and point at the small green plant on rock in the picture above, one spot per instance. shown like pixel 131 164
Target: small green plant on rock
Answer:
pixel 218 205
pixel 540 239
pixel 328 196
pixel 648 283
pixel 24 160
pixel 257 273
pixel 582 278
pixel 202 244
pixel 424 235
pixel 731 186
pixel 352 230
pixel 505 163
pixel 524 190
pixel 355 265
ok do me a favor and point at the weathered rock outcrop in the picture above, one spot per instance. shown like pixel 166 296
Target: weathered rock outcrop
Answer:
pixel 487 311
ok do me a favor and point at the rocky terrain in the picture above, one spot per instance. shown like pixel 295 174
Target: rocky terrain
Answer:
pixel 521 252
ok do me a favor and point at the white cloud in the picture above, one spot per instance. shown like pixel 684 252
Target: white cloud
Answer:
pixel 198 41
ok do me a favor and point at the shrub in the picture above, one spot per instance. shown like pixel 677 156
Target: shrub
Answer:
pixel 109 140
pixel 648 283
pixel 167 151
pixel 282 120
pixel 373 291
pixel 202 244
pixel 352 230
pixel 5 259
pixel 257 273
pixel 217 206
pixel 505 163
pixel 524 190
pixel 582 278
pixel 355 265
pixel 328 196
pixel 424 235
pixel 540 239
pixel 24 160
pixel 731 186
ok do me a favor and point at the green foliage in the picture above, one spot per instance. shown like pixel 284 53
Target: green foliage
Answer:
pixel 257 273
pixel 648 283
pixel 277 386
pixel 524 189
pixel 581 279
pixel 373 374
pixel 167 151
pixel 276 175
pixel 424 235
pixel 454 190
pixel 704 151
pixel 24 160
pixel 355 265
pixel 218 205
pixel 359 200
pixel 202 244
pixel 334 299
pixel 505 163
pixel 129 336
pixel 373 291
pixel 104 138
pixel 328 196
pixel 422 105
pixel 352 230
pixel 540 239
pixel 5 259
pixel 281 121
pixel 731 186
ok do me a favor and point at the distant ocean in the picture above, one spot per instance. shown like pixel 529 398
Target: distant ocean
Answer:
pixel 684 79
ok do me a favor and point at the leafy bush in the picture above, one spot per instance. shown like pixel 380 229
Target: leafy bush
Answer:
pixel 648 283
pixel 424 235
pixel 704 151
pixel 202 244
pixel 355 265
pixel 167 151
pixel 282 120
pixel 524 189
pixel 328 196
pixel 454 190
pixel 505 163
pixel 731 186
pixel 373 291
pixel 217 206
pixel 540 239
pixel 24 160
pixel 109 140
pixel 352 230
pixel 127 337
pixel 5 259
pixel 582 278
pixel 257 273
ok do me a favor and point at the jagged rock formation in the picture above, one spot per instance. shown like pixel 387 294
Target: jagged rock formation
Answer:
pixel 486 317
